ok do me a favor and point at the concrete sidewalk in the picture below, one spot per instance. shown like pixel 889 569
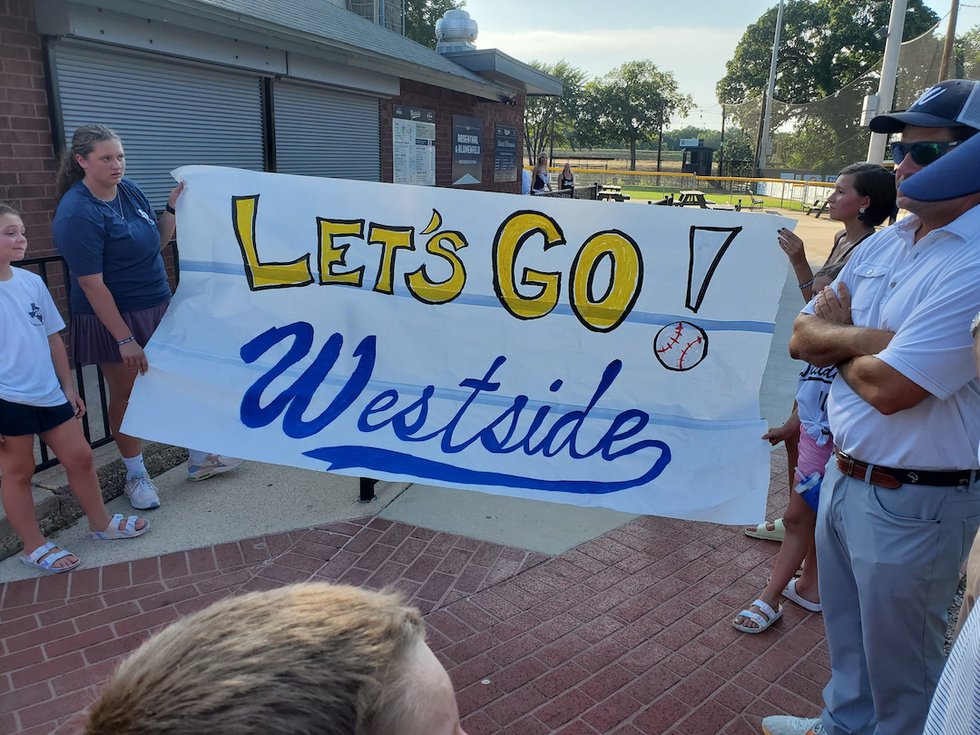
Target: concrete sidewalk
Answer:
pixel 550 618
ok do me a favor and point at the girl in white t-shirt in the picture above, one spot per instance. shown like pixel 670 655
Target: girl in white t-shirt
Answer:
pixel 38 397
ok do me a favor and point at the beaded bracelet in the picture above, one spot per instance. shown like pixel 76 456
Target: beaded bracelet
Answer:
pixel 126 341
pixel 805 286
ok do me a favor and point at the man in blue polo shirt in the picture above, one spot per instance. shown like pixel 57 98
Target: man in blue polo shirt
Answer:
pixel 901 501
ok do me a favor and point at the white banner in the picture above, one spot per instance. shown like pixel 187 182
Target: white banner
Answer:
pixel 592 353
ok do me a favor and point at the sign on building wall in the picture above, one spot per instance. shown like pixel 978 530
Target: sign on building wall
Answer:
pixel 467 150
pixel 413 134
pixel 551 349
pixel 504 153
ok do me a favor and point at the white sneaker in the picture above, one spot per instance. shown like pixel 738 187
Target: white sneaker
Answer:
pixel 786 725
pixel 213 465
pixel 142 493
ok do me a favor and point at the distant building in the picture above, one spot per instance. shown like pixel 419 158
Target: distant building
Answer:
pixel 313 87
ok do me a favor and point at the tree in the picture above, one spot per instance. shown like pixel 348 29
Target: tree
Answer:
pixel 631 104
pixel 421 17
pixel 735 154
pixel 829 52
pixel 550 120
pixel 824 45
pixel 966 55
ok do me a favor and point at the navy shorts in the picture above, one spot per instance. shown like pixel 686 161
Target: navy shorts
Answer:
pixel 16 419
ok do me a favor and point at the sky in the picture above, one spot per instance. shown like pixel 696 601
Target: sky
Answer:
pixel 692 38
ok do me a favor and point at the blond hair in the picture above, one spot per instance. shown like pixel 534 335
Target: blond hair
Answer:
pixel 306 658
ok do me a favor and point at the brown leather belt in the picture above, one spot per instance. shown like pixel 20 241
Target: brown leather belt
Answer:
pixel 893 478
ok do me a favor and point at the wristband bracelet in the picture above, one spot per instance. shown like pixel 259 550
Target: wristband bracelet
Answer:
pixel 171 210
pixel 805 286
pixel 126 341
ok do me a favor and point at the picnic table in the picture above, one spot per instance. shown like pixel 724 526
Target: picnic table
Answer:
pixel 691 198
pixel 611 193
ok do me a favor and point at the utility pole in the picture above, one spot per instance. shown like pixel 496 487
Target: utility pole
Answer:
pixel 944 72
pixel 889 69
pixel 660 141
pixel 767 115
pixel 721 143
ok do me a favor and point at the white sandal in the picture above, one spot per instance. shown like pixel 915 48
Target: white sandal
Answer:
pixel 762 623
pixel 113 532
pixel 792 595
pixel 44 558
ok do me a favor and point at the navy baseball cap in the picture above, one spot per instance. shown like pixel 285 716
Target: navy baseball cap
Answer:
pixel 948 104
pixel 952 176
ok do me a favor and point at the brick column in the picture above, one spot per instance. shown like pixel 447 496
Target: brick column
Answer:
pixel 27 159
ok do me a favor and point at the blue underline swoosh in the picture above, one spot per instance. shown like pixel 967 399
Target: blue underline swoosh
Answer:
pixel 637 317
pixel 485 399
pixel 372 458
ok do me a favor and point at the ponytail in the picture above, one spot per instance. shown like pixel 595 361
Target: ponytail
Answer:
pixel 82 143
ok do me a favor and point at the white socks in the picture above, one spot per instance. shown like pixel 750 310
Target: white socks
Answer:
pixel 134 466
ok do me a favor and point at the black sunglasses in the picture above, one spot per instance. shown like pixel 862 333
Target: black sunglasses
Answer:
pixel 922 153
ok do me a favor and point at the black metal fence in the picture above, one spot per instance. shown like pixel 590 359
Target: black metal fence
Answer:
pixel 53 270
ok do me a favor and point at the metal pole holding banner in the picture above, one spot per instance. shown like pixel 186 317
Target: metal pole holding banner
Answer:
pixel 889 70
pixel 367 489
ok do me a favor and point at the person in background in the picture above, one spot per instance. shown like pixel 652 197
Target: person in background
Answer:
pixel 863 197
pixel 107 232
pixel 566 179
pixel 539 176
pixel 525 181
pixel 38 398
pixel 901 503
pixel 305 658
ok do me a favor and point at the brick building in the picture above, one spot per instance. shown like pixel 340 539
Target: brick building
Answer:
pixel 306 86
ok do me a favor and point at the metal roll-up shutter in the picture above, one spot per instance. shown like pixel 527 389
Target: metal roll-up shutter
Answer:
pixel 167 114
pixel 322 132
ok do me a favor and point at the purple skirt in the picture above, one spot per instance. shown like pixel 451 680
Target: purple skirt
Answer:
pixel 91 342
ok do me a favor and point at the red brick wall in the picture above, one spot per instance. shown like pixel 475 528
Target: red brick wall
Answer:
pixel 447 103
pixel 27 158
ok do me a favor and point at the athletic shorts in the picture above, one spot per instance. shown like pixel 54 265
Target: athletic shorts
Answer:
pixel 16 419
pixel 813 457
pixel 92 344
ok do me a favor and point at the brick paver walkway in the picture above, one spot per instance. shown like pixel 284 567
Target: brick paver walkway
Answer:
pixel 627 634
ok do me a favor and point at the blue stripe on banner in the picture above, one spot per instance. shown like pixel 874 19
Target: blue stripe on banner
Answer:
pixel 637 317
pixel 449 394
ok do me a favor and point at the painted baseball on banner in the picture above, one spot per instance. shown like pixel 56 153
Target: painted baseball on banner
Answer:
pixel 681 346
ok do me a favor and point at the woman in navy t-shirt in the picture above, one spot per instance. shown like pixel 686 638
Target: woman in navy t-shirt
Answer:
pixel 111 239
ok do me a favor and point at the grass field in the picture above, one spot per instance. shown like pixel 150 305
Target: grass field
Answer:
pixel 721 198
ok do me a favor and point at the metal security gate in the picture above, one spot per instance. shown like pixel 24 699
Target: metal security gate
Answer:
pixel 323 132
pixel 168 114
